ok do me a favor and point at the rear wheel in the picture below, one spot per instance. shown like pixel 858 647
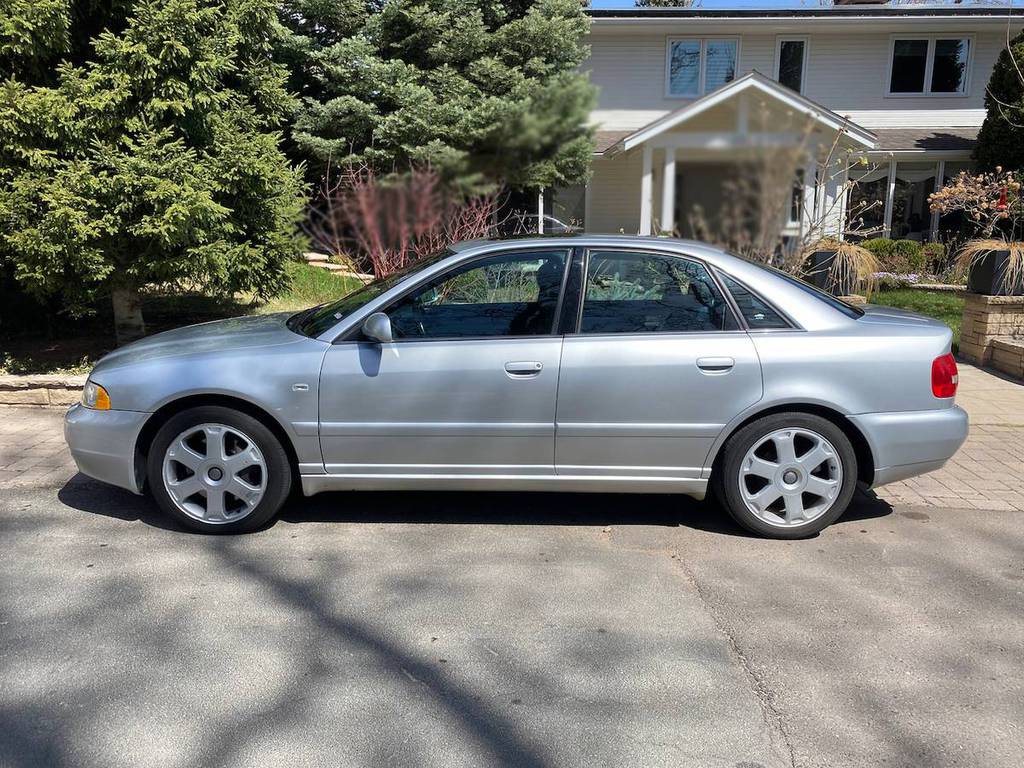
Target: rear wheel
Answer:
pixel 787 475
pixel 217 470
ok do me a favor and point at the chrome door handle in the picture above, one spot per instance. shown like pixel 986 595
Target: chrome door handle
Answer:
pixel 715 364
pixel 523 369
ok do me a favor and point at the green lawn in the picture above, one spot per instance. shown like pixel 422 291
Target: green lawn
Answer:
pixel 76 351
pixel 942 305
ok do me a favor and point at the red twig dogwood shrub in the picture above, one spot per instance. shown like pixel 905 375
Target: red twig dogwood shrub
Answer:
pixel 384 224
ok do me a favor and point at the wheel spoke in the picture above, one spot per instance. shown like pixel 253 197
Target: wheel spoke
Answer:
pixel 755 465
pixel 243 491
pixel 821 486
pixel 215 448
pixel 247 457
pixel 794 507
pixel 185 455
pixel 815 457
pixel 785 448
pixel 182 489
pixel 765 497
pixel 215 503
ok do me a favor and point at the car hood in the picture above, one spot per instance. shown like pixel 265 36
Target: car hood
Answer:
pixel 218 336
pixel 880 315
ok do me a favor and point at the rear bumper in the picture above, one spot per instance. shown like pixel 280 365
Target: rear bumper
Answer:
pixel 911 443
pixel 102 443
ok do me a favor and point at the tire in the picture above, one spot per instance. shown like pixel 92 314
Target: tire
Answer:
pixel 235 490
pixel 821 491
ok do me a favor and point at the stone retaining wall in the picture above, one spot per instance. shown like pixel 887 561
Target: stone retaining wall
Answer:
pixel 1008 356
pixel 985 319
pixel 41 390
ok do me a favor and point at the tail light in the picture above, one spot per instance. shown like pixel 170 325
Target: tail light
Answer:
pixel 944 376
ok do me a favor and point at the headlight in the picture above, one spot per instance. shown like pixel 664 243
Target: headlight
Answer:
pixel 96 397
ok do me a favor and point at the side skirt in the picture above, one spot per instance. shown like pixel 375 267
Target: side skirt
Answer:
pixel 313 484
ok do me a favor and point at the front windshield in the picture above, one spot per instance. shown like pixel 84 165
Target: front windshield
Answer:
pixel 317 320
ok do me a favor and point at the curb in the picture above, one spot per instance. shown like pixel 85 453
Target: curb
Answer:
pixel 44 389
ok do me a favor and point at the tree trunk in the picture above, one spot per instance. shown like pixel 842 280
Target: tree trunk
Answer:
pixel 128 322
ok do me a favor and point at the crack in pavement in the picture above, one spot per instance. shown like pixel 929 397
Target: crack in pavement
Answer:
pixel 770 714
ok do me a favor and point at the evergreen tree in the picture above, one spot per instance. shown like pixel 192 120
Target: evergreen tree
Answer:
pixel 149 154
pixel 481 90
pixel 1001 139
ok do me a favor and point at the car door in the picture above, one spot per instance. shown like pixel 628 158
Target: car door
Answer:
pixel 656 369
pixel 468 385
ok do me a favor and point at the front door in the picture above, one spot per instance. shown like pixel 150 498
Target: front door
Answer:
pixel 468 387
pixel 657 369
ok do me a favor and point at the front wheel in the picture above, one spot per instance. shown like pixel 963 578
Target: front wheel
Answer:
pixel 787 475
pixel 217 470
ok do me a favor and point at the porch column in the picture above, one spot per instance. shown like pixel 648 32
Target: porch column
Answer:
pixel 889 193
pixel 646 192
pixel 668 192
pixel 940 174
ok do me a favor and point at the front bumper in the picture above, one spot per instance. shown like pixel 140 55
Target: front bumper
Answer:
pixel 910 443
pixel 102 443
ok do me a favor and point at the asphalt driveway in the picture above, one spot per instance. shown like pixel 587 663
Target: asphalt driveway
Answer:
pixel 511 629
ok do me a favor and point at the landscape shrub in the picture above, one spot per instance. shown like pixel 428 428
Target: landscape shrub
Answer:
pixel 897 256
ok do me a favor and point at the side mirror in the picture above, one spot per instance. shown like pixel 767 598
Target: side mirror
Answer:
pixel 377 327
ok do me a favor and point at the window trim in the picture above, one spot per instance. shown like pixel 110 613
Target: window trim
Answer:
pixel 807 55
pixel 354 335
pixel 701 63
pixel 730 304
pixel 929 66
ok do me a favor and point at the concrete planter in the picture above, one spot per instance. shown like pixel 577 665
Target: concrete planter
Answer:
pixel 819 274
pixel 987 276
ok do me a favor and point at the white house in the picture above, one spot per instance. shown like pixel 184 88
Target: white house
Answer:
pixel 686 95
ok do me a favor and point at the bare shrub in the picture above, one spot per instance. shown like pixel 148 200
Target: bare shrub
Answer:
pixel 384 224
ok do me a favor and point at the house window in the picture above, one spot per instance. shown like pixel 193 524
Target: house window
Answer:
pixel 791 63
pixel 929 65
pixel 796 198
pixel 697 66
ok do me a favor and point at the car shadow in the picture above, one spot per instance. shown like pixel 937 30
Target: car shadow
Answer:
pixel 461 508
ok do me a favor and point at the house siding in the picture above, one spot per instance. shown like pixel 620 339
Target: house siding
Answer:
pixel 847 73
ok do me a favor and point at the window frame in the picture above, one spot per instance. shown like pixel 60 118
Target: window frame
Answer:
pixel 701 62
pixel 356 333
pixel 803 65
pixel 741 325
pixel 929 66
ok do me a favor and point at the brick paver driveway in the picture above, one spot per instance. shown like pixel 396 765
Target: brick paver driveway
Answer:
pixel 987 473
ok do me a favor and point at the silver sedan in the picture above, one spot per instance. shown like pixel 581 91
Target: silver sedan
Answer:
pixel 609 364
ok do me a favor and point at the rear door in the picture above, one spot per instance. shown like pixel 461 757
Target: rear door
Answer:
pixel 657 368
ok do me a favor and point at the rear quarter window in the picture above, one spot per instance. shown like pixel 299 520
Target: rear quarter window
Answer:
pixel 755 311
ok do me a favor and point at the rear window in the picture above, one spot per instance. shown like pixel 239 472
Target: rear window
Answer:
pixel 847 309
pixel 757 313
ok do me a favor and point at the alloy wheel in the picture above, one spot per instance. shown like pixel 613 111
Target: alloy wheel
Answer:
pixel 214 473
pixel 790 477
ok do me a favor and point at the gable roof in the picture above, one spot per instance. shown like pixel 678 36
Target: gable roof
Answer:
pixel 752 81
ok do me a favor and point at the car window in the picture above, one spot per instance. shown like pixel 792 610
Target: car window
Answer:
pixel 512 294
pixel 322 318
pixel 757 314
pixel 628 292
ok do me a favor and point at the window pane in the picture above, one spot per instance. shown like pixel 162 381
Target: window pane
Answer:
pixel 911 217
pixel 909 59
pixel 796 200
pixel 645 293
pixel 949 70
pixel 721 64
pixel 506 295
pixel 755 312
pixel 791 64
pixel 684 67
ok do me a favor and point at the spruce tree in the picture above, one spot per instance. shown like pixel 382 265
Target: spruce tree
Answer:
pixel 151 153
pixel 482 90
